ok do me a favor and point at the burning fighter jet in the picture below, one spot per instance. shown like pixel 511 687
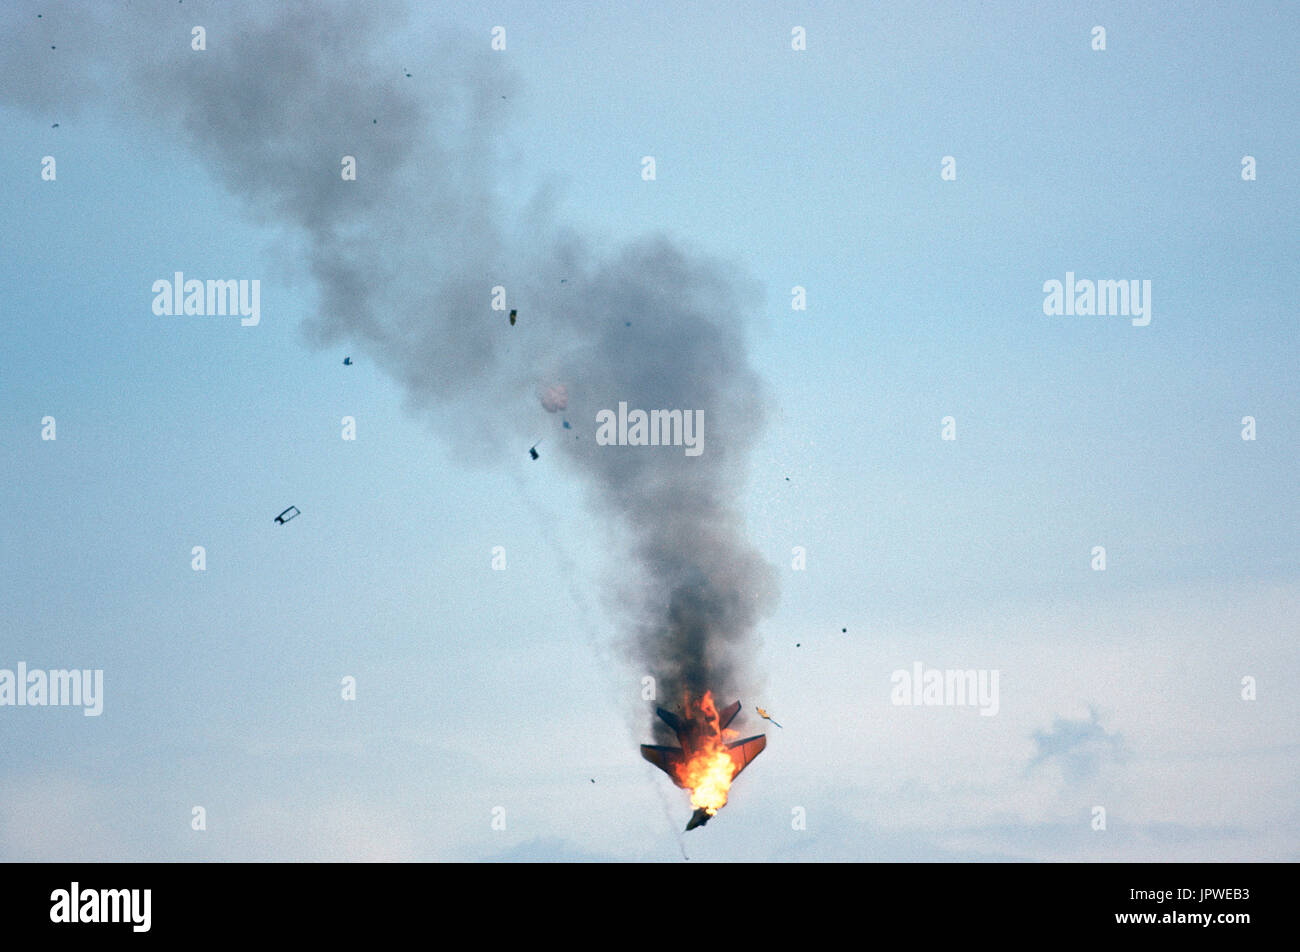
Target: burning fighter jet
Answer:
pixel 708 760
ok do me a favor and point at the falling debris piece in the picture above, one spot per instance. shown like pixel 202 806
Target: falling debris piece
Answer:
pixel 564 280
pixel 513 313
pixel 288 514
pixel 593 779
pixel 627 323
pixel 845 630
pixel 796 644
pixel 766 716
pixel 566 425
pixel 55 126
pixel 347 361
pixel 533 451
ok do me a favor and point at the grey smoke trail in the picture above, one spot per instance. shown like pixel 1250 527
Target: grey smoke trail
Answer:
pixel 405 257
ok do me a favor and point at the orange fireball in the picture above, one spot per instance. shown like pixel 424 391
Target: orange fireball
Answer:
pixel 710 770
pixel 708 760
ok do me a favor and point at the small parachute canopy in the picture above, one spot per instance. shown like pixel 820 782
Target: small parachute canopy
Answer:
pixel 554 398
pixel 288 514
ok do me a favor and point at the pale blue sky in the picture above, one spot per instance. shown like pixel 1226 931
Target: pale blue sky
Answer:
pixel 480 689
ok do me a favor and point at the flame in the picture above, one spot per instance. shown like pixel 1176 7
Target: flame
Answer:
pixel 709 772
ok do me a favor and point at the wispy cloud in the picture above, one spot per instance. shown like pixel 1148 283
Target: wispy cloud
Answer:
pixel 1079 746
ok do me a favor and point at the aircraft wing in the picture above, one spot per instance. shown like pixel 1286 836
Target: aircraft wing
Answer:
pixel 666 759
pixel 743 751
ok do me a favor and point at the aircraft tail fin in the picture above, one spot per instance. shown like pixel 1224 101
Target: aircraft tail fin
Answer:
pixel 671 719
pixel 728 714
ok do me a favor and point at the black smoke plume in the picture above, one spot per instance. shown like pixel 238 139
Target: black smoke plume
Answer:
pixel 404 259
